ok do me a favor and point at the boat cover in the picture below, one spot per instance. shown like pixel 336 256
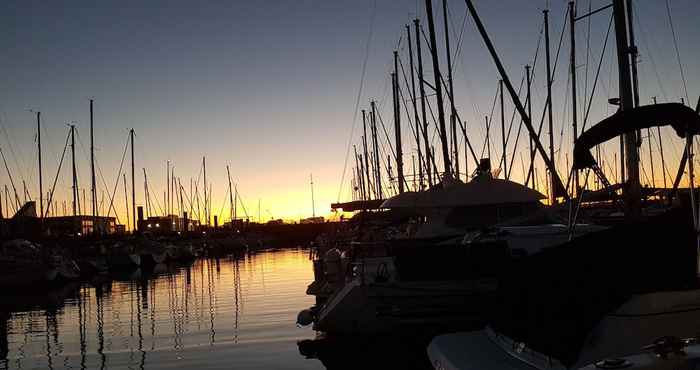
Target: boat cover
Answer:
pixel 482 190
pixel 682 118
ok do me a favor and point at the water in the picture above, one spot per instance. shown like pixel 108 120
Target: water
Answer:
pixel 234 312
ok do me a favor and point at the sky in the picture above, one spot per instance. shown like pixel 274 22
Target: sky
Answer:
pixel 270 88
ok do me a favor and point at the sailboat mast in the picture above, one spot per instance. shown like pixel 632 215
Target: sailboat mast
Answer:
pixel 421 86
pixel 397 124
pixel 75 173
pixel 549 162
pixel 41 186
pixel 230 194
pixel 503 131
pixel 126 203
pixel 377 169
pixel 453 111
pixel 572 66
pixel 438 88
pixel 368 194
pixel 529 105
pixel 167 187
pixel 550 119
pixel 416 120
pixel 93 189
pixel 133 184
pixel 206 203
pixel 632 190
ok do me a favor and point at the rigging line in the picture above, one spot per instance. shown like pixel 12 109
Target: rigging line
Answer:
pixel 675 45
pixel 597 74
pixel 458 49
pixel 408 115
pixel 411 98
pixel 435 130
pixel 148 185
pixel 651 57
pixel 544 109
pixel 58 171
pixel 493 106
pixel 563 119
pixel 9 175
pixel 245 212
pixel 357 100
pixel 99 171
pixel 116 183
pixel 527 101
pixel 386 134
pixel 51 148
pixel 17 159
pixel 588 52
pixel 221 210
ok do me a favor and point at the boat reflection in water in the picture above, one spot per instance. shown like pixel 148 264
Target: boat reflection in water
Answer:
pixel 233 312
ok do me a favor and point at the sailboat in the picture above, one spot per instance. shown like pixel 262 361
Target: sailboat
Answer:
pixel 624 297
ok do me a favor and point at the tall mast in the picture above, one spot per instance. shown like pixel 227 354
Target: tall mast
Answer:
pixel 529 103
pixel 364 147
pixel 313 204
pixel 41 186
pixel 503 131
pixel 632 190
pixel 549 162
pixel 133 184
pixel 93 189
pixel 633 54
pixel 397 124
pixel 126 203
pixel 488 138
pixel 75 173
pixel 661 152
pixel 438 88
pixel 230 194
pixel 377 169
pixel 421 86
pixel 206 203
pixel 572 65
pixel 453 111
pixel 167 187
pixel 183 226
pixel 416 120
pixel 145 191
pixel 552 194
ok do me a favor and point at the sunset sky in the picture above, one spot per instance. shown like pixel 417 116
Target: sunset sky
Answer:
pixel 269 87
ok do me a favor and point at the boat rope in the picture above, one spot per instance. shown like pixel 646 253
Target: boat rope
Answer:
pixel 544 109
pixel 527 101
pixel 490 117
pixel 357 100
pixel 12 182
pixel 19 162
pixel 116 183
pixel 97 166
pixel 675 45
pixel 408 115
pixel 58 171
pixel 597 74
pixel 148 186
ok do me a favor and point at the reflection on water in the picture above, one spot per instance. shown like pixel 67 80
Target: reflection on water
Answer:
pixel 234 312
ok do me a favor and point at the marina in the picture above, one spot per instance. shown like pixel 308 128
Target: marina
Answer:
pixel 514 188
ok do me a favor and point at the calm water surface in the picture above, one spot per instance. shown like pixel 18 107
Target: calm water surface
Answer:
pixel 234 312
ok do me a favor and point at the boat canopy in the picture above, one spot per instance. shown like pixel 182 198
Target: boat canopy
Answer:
pixel 682 118
pixel 482 190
